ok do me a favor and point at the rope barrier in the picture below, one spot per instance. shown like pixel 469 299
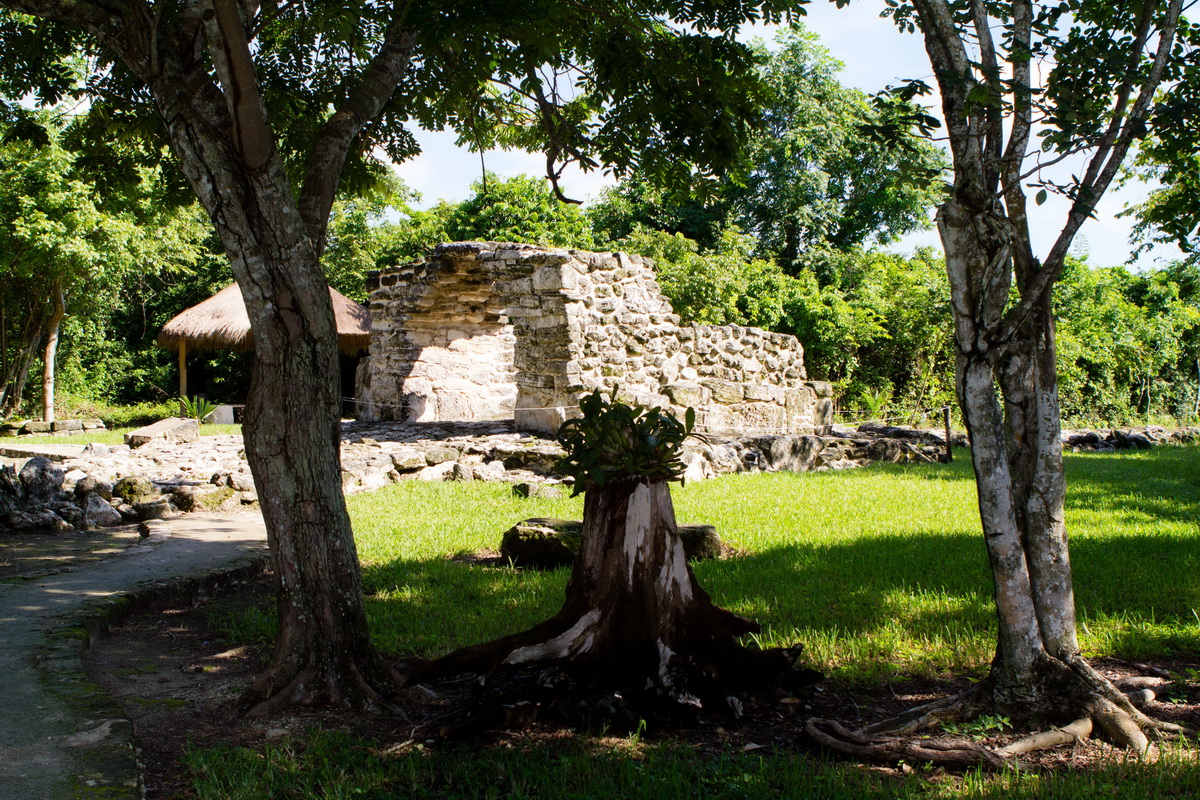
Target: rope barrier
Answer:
pixel 742 428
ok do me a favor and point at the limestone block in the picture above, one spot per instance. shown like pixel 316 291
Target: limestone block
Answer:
pixel 153 509
pixel 437 472
pixel 723 391
pixel 763 417
pixel 135 489
pixel 99 513
pixel 42 478
pixel 92 485
pixel 821 388
pixel 200 498
pixel 697 467
pixel 37 426
pixel 441 453
pixel 172 429
pixel 764 393
pixel 44 519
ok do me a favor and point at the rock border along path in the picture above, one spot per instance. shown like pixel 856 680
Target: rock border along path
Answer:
pixel 61 736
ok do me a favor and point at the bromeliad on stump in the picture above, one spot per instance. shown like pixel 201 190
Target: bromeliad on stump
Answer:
pixel 635 623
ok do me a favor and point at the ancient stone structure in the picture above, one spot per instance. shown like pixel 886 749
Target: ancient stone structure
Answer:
pixel 484 330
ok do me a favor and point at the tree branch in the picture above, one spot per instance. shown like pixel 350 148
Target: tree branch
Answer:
pixel 230 48
pixel 89 16
pixel 952 67
pixel 1010 163
pixel 363 103
pixel 993 125
pixel 1104 165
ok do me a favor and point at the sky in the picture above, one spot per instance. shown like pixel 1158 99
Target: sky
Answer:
pixel 875 54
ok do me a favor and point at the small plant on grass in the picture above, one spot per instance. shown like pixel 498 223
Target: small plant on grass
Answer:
pixel 980 728
pixel 875 401
pixel 197 408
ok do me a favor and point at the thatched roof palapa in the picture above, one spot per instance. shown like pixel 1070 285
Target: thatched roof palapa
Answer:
pixel 221 323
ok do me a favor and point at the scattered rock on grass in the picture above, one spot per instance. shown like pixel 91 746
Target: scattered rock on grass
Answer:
pixel 547 543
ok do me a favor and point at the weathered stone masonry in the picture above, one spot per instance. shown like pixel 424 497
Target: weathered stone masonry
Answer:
pixel 485 330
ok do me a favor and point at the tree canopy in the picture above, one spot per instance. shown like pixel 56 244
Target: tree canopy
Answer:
pixel 66 251
pixel 270 110
pixel 829 168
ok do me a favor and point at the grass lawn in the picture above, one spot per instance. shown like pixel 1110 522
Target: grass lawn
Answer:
pixel 880 572
pixel 115 435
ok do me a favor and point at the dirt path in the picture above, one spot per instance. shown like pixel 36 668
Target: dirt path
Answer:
pixel 60 737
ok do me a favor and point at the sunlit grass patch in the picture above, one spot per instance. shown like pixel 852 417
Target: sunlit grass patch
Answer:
pixel 879 572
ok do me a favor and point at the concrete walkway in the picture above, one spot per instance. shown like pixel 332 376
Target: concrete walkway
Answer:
pixel 60 736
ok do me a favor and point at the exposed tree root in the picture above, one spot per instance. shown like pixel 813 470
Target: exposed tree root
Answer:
pixel 958 708
pixel 1073 733
pixel 365 683
pixel 1100 708
pixel 944 751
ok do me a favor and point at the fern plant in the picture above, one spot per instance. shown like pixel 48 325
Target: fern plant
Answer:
pixel 614 441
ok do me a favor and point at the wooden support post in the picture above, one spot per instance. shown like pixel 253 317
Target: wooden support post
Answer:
pixel 182 370
pixel 946 426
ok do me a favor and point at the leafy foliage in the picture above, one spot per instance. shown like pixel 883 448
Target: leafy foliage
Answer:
pixel 827 170
pixel 1129 343
pixel 57 233
pixel 614 441
pixel 197 408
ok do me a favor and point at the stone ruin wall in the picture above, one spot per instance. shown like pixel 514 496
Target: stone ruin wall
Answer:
pixel 492 330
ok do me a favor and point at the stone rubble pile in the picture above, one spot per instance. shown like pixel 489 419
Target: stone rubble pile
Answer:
pixel 1108 440
pixel 38 497
pixel 108 485
pixel 62 427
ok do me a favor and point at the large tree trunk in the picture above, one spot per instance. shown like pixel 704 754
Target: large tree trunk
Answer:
pixel 635 620
pixel 227 151
pixel 323 654
pixel 1008 392
pixel 58 311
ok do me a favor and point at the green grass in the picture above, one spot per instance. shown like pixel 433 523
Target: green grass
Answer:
pixel 332 766
pixel 113 435
pixel 880 572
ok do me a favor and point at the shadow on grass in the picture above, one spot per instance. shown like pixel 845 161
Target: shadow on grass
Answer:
pixel 906 572
pixel 1139 595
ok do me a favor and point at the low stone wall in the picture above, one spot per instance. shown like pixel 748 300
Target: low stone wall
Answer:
pixel 62 427
pixel 491 330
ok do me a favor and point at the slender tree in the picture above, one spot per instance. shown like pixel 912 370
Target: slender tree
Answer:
pixel 269 108
pixel 1087 75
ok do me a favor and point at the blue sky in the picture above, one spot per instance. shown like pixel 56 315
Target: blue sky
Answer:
pixel 875 55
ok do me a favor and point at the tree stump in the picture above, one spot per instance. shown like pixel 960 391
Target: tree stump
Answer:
pixel 635 621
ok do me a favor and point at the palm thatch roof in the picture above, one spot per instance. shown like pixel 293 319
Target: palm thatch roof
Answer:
pixel 220 323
